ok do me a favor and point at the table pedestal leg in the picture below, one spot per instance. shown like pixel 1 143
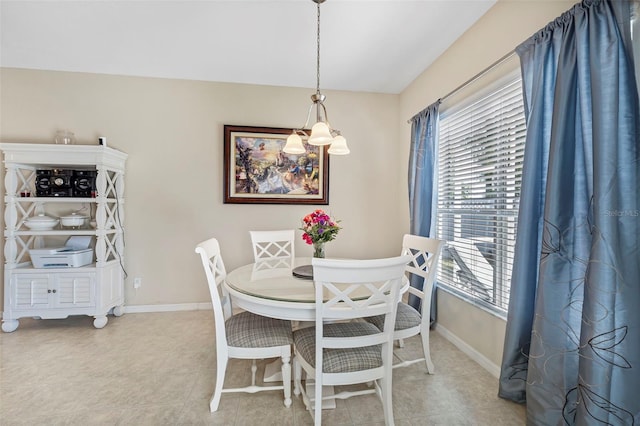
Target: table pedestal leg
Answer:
pixel 327 404
pixel 273 373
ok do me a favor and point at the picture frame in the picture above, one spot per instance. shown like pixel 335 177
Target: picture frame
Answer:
pixel 257 171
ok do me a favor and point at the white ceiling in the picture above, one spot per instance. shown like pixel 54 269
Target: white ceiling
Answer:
pixel 371 46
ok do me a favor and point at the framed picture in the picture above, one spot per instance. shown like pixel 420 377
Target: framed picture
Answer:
pixel 257 171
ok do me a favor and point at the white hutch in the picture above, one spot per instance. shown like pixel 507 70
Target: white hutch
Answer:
pixel 53 292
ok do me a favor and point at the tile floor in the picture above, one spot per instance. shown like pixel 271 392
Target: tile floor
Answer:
pixel 159 369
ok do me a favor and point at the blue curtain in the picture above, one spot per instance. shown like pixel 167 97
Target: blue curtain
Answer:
pixel 572 348
pixel 423 187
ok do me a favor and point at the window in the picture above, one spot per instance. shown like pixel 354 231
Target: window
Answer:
pixel 481 148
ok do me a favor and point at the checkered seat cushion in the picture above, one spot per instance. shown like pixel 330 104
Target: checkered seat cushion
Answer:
pixel 248 330
pixel 406 317
pixel 340 360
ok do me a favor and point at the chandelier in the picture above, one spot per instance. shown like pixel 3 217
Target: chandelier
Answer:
pixel 321 133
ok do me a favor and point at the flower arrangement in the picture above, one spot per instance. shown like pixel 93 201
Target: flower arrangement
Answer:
pixel 319 228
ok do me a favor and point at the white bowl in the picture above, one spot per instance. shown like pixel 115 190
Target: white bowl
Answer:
pixel 73 219
pixel 41 223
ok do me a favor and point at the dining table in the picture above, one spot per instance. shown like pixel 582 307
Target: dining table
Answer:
pixel 276 288
pixel 281 288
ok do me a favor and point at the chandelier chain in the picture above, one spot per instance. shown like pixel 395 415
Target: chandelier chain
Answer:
pixel 318 53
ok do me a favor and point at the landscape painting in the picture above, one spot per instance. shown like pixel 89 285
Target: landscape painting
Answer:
pixel 256 170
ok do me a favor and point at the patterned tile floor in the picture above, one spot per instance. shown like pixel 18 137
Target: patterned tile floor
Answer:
pixel 159 369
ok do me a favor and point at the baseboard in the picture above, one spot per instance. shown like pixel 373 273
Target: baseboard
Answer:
pixel 484 362
pixel 135 309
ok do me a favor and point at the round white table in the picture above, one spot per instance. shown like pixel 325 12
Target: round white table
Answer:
pixel 269 288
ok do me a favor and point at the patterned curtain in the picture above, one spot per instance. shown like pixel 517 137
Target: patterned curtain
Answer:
pixel 572 348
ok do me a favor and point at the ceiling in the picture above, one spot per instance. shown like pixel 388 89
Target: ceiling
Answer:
pixel 371 46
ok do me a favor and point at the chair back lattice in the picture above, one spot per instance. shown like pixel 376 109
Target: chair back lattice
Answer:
pixel 272 244
pixel 424 253
pixel 215 272
pixel 351 289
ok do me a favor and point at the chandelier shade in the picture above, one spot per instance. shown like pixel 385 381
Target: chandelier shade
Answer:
pixel 322 133
pixel 294 145
pixel 339 146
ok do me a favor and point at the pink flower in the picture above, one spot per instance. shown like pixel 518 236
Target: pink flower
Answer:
pixel 318 227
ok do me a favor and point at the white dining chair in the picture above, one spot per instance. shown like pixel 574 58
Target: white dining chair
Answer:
pixel 341 349
pixel 273 244
pixel 424 253
pixel 244 335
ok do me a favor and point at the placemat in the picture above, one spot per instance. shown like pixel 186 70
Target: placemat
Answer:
pixel 305 272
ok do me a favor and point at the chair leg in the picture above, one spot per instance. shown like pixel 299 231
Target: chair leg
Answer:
pixel 424 335
pixel 387 406
pixel 254 368
pixel 286 379
pixel 297 377
pixel 317 417
pixel 221 369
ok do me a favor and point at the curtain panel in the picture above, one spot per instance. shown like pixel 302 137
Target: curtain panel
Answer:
pixel 572 347
pixel 423 184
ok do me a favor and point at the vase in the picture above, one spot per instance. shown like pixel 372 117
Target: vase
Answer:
pixel 318 250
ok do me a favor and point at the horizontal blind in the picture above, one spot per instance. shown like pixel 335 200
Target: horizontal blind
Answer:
pixel 481 149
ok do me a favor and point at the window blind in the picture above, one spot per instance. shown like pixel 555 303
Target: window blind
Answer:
pixel 481 149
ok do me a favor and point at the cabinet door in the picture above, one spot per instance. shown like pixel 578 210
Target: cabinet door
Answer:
pixel 31 291
pixel 75 290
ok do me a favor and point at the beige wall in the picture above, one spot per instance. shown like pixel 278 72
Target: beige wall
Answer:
pixel 498 32
pixel 173 133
